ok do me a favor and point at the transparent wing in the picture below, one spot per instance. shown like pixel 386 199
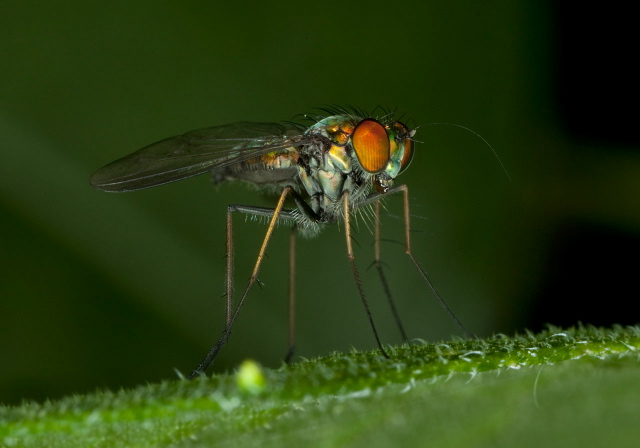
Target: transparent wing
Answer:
pixel 194 153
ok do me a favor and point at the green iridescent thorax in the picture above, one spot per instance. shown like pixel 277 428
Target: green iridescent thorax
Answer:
pixel 328 167
pixel 337 128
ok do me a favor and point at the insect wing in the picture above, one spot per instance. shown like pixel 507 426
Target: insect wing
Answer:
pixel 194 153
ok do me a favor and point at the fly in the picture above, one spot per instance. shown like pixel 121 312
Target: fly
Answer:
pixel 343 162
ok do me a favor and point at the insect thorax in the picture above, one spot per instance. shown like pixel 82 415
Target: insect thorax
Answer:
pixel 327 168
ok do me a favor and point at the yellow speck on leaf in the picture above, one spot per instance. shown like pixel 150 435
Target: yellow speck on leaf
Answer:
pixel 250 377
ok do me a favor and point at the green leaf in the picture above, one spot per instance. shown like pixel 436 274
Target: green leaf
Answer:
pixel 574 387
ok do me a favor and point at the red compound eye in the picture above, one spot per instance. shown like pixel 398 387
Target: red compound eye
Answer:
pixel 371 143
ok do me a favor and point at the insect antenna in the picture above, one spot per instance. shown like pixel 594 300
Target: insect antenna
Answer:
pixel 481 138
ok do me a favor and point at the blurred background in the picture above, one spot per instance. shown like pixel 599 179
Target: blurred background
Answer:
pixel 114 290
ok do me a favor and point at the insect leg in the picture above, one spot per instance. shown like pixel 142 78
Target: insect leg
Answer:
pixel 231 317
pixel 292 294
pixel 407 235
pixel 352 262
pixel 229 270
pixel 377 261
pixel 423 273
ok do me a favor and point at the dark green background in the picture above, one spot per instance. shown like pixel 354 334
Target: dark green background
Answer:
pixel 115 290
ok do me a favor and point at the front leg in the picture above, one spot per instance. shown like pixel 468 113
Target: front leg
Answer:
pixel 356 275
pixel 407 248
